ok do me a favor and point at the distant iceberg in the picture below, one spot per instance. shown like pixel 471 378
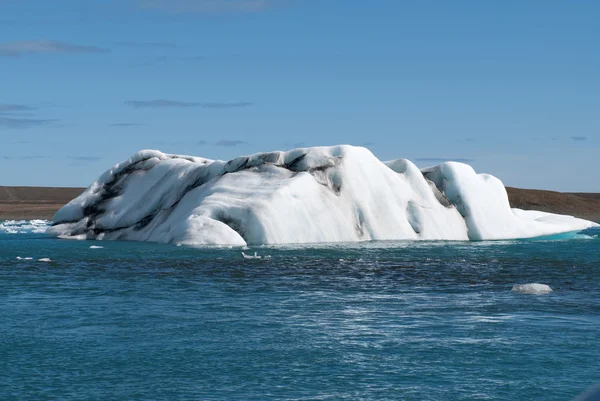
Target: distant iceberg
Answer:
pixel 311 195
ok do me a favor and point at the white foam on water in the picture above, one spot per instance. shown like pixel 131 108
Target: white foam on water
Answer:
pixel 532 288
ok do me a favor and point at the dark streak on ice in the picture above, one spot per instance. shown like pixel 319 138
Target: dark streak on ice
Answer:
pixel 116 186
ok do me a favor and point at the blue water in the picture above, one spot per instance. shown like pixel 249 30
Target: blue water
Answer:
pixel 397 321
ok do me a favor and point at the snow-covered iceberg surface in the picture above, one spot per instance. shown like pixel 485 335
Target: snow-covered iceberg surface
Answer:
pixel 322 194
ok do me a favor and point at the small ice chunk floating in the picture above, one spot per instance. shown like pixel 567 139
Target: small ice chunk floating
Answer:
pixel 532 288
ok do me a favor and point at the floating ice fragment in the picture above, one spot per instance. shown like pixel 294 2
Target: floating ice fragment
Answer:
pixel 45 260
pixel 26 258
pixel 24 226
pixel 96 247
pixel 251 257
pixel 532 288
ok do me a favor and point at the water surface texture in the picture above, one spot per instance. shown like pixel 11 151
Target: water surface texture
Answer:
pixel 375 320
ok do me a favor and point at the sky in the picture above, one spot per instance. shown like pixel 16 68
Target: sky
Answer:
pixel 511 87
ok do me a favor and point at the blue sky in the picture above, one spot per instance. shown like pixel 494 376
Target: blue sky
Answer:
pixel 511 87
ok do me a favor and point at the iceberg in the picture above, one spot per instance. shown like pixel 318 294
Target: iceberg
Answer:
pixel 309 195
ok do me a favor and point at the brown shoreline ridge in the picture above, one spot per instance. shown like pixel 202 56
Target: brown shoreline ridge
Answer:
pixel 26 203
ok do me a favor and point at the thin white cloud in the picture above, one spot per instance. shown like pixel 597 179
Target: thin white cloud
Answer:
pixel 16 49
pixel 9 122
pixel 13 108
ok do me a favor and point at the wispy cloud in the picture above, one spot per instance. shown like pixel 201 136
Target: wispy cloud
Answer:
pixel 443 159
pixel 14 108
pixel 126 125
pixel 163 103
pixel 16 114
pixel 9 122
pixel 151 45
pixel 579 138
pixel 230 143
pixel 24 157
pixel 205 6
pixel 16 49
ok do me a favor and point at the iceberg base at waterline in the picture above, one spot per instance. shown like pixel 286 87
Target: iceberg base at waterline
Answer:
pixel 310 195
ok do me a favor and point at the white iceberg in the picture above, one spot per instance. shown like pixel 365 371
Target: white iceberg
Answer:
pixel 312 195
pixel 532 288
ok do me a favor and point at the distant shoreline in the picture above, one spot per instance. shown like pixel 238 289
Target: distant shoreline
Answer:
pixel 27 203
pixel 583 205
